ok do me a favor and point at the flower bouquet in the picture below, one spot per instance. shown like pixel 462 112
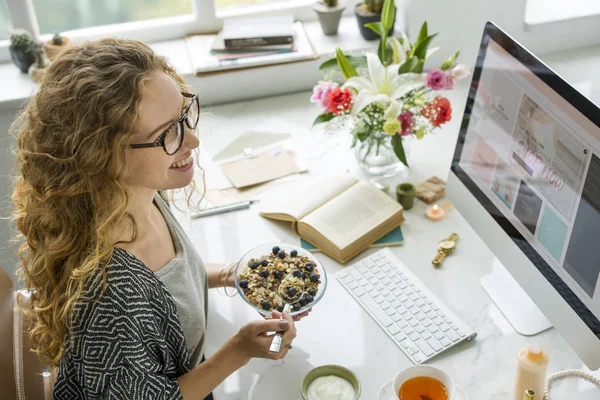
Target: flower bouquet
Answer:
pixel 391 99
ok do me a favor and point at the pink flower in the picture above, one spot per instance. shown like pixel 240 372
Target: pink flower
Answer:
pixel 320 93
pixel 407 123
pixel 436 79
pixel 449 82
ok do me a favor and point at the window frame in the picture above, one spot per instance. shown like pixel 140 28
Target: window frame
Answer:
pixel 205 18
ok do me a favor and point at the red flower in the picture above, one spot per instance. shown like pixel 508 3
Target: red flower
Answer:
pixel 340 101
pixel 438 111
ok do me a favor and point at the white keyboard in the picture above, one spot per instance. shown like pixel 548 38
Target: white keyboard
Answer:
pixel 416 320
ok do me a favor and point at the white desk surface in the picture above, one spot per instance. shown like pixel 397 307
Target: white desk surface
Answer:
pixel 339 331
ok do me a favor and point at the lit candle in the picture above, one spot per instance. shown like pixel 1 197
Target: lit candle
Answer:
pixel 435 213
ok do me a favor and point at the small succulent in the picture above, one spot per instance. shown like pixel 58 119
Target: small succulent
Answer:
pixel 38 52
pixel 330 3
pixel 20 39
pixel 57 40
pixel 375 6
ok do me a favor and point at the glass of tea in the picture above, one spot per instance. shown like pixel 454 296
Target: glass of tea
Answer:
pixel 420 382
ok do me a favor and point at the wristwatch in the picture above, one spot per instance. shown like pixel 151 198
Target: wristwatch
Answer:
pixel 445 247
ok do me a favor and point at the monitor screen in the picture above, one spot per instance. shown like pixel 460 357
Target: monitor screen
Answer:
pixel 529 151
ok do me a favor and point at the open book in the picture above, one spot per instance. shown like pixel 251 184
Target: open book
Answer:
pixel 340 215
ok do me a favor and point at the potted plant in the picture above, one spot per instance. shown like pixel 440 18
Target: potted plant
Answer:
pixel 36 71
pixel 330 13
pixel 370 12
pixel 20 49
pixel 56 45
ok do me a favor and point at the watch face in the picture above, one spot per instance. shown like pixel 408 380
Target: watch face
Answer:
pixel 447 244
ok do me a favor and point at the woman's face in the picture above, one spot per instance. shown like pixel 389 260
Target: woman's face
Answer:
pixel 152 168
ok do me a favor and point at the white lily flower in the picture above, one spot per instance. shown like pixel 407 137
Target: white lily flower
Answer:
pixel 383 86
pixel 461 71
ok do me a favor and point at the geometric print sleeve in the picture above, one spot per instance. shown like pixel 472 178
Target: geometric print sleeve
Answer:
pixel 129 344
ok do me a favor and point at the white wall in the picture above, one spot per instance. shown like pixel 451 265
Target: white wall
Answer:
pixel 8 258
pixel 461 22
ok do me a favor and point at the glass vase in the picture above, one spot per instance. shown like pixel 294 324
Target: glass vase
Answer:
pixel 375 155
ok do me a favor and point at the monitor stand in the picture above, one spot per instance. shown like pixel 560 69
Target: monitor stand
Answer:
pixel 513 302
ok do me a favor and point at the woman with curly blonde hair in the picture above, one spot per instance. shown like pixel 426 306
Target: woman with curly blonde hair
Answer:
pixel 118 294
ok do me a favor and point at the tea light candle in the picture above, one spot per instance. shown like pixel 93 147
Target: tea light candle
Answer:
pixel 435 213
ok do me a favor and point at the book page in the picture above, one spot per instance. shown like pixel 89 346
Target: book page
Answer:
pixel 299 199
pixel 353 213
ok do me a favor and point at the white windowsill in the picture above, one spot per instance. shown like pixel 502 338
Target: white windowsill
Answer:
pixel 541 12
pixel 16 87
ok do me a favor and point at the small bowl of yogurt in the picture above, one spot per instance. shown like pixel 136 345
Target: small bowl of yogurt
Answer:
pixel 330 382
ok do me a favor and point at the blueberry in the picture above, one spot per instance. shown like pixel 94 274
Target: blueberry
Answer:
pixel 297 273
pixel 309 267
pixel 303 275
pixel 309 299
pixel 293 253
pixel 254 265
pixel 264 273
pixel 264 263
pixel 280 308
pixel 303 301
pixel 314 277
pixel 312 292
pixel 275 250
pixel 281 254
pixel 297 307
pixel 265 305
pixel 291 292
pixel 244 284
pixel 278 274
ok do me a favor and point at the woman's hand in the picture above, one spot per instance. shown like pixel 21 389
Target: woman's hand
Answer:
pixel 253 342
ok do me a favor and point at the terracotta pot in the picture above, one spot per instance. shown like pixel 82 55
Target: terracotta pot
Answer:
pixel 53 50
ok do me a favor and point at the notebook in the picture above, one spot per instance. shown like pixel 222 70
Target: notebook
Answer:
pixel 394 238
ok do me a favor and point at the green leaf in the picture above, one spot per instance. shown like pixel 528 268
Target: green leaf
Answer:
pixel 422 33
pixel 347 69
pixel 356 61
pixel 375 27
pixel 408 66
pixel 420 50
pixel 385 55
pixel 399 149
pixel 397 54
pixel 387 14
pixel 449 62
pixel 323 118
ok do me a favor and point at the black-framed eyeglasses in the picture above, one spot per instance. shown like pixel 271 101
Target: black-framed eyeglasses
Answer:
pixel 172 137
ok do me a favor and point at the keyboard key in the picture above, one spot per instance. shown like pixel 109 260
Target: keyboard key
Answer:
pixel 402 310
pixel 359 291
pixel 424 347
pixel 452 335
pixel 385 267
pixel 370 289
pixel 420 316
pixel 420 328
pixel 433 329
pixel 413 336
pixel 420 303
pixel 402 285
pixel 449 321
pixel 460 333
pixel 408 330
pixel 453 326
pixel 445 342
pixel 425 308
pixel 390 297
pixel 418 358
pixel 397 292
pixel 414 310
pixel 413 322
pixel 378 299
pixel 435 307
pixel 405 344
pixel 439 335
pixel 410 283
pixel 390 311
pixel 374 309
pixel 438 321
pixel 368 262
pixel 411 349
pixel 347 278
pixel 431 315
pixel 402 323
pixel 427 323
pixel 400 336
pixel 441 313
pixel 363 269
pixel 375 257
pixel 385 305
pixel 425 334
pixel 435 345
pixel 395 303
pixel 393 329
pixel 396 317
pixel 379 286
pixel 445 328
pixel 363 282
pixel 403 298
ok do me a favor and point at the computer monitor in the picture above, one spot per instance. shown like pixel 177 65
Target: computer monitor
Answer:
pixel 526 176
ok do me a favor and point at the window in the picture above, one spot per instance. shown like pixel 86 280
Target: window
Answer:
pixel 66 15
pixel 544 11
pixel 238 3
pixel 5 25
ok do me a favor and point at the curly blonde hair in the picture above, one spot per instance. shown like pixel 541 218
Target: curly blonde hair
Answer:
pixel 69 195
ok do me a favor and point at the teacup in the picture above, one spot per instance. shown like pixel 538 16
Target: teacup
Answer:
pixel 424 370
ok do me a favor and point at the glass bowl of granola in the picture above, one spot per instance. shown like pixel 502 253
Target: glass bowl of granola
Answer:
pixel 261 271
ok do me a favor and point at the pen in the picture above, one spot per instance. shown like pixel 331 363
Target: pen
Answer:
pixel 222 209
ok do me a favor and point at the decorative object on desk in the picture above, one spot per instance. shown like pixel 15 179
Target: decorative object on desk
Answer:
pixel 392 102
pixel 36 70
pixel 445 248
pixel 405 194
pixel 330 13
pixel 327 371
pixel 369 12
pixel 340 215
pixel 20 49
pixel 394 238
pixel 529 395
pixel 55 45
pixel 261 271
pixel 532 365
pixel 431 190
pixel 563 374
pixel 435 212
